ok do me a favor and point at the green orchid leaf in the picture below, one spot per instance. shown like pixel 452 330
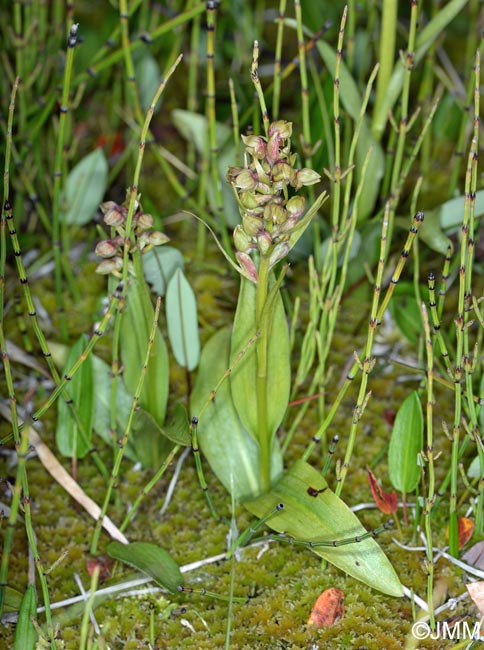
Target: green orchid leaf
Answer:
pixel 151 560
pixel 405 311
pixel 152 442
pixel 406 443
pixel 103 380
pixel 159 265
pixel 182 321
pixel 231 452
pixel 74 433
pixel 25 632
pixel 451 212
pixel 243 377
pixel 325 517
pixel 84 189
pixel 135 332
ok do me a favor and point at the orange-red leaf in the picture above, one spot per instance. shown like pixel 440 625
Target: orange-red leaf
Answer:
pixel 386 502
pixel 328 608
pixel 465 528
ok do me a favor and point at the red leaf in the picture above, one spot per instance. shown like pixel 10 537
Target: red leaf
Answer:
pixel 328 608
pixel 465 530
pixel 386 502
pixel 103 562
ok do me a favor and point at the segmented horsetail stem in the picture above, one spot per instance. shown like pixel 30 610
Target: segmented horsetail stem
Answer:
pixel 436 324
pixel 122 443
pixel 211 111
pixel 249 532
pixel 444 279
pixel 336 177
pixel 356 539
pixel 417 221
pixel 235 119
pixel 9 218
pixel 199 467
pixel 165 28
pixel 98 332
pixel 404 125
pixel 276 90
pixel 306 124
pixel 58 167
pixel 330 455
pixel 128 62
pixel 254 75
pixel 429 457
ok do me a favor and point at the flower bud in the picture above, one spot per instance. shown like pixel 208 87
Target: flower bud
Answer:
pixel 248 265
pixel 282 128
pixel 242 241
pixel 144 221
pixel 306 176
pixel 275 213
pixel 252 225
pixel 283 172
pixel 296 206
pixel 112 212
pixel 273 148
pixel 264 241
pixel 280 251
pixel 142 240
pixel 232 174
pixel 248 200
pixel 157 238
pixel 115 264
pixel 245 180
pixel 106 248
pixel 255 146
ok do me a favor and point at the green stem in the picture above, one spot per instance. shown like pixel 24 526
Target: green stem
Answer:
pixel 261 381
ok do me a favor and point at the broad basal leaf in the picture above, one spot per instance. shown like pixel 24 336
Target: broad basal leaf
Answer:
pixel 84 189
pixel 232 453
pixel 325 517
pixel 182 321
pixel 159 265
pixel 406 443
pixel 152 443
pixel 102 375
pixel 243 379
pixel 135 331
pixel 152 560
pixel 74 434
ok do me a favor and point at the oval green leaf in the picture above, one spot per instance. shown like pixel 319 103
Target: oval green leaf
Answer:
pixel 151 560
pixel 243 377
pixel 159 265
pixel 84 189
pixel 231 452
pixel 406 443
pixel 74 434
pixel 182 321
pixel 325 518
pixel 135 332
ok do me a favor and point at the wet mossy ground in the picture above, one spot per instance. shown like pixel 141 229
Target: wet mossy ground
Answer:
pixel 281 582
